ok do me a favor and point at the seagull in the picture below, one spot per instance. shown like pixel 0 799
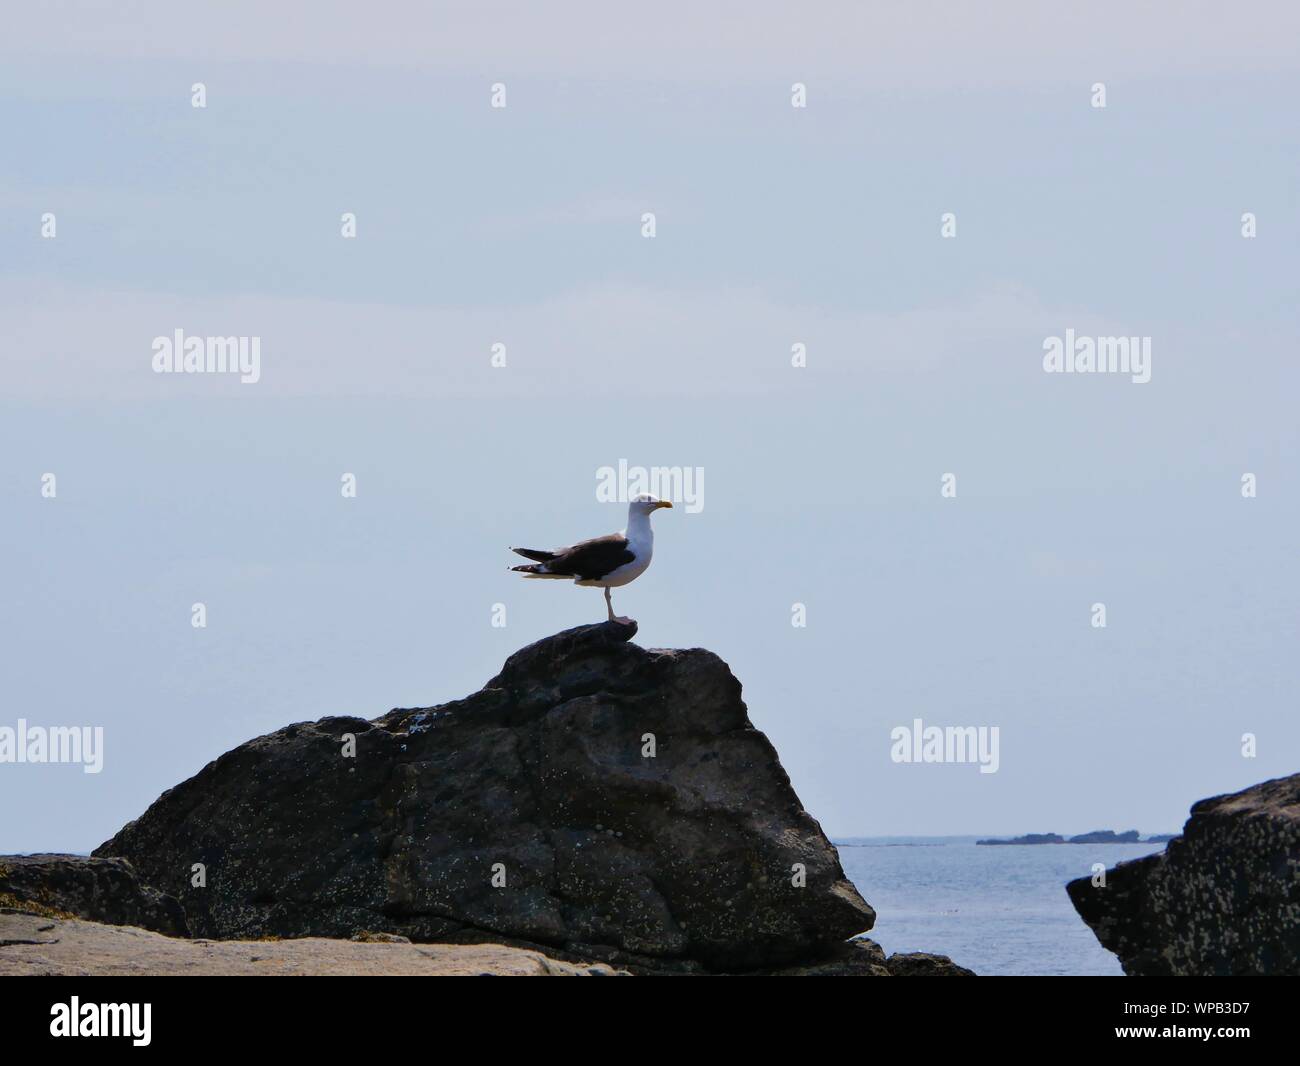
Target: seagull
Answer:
pixel 602 562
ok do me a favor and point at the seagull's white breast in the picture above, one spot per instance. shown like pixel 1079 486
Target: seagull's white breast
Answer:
pixel 641 543
pixel 625 573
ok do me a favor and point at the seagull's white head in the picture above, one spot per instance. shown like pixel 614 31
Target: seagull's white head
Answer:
pixel 644 504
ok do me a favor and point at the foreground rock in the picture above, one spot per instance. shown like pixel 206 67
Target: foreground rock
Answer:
pixel 865 958
pixel 1224 898
pixel 38 946
pixel 595 797
pixel 102 890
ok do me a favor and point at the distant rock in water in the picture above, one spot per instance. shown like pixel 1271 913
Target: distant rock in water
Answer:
pixel 1106 836
pixel 1029 838
pixel 1222 899
pixel 1097 836
pixel 594 797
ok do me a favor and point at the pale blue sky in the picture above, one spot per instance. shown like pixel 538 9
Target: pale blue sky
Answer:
pixel 822 484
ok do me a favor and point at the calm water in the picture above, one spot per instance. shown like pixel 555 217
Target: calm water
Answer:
pixel 996 910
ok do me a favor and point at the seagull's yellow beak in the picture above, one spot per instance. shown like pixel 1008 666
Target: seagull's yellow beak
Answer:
pixel 663 503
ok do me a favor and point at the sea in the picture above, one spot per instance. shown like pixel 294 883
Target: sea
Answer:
pixel 997 910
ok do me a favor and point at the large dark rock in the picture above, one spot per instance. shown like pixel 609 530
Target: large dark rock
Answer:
pixel 539 778
pixel 99 890
pixel 1224 898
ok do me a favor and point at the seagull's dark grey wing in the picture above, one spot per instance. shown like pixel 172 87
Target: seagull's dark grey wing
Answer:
pixel 535 554
pixel 591 560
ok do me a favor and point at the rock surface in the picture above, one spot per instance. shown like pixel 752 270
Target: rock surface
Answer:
pixel 925 964
pixel 102 890
pixel 530 811
pixel 1222 899
pixel 865 958
pixel 38 946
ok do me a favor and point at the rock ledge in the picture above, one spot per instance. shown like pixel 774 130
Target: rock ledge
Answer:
pixel 1222 899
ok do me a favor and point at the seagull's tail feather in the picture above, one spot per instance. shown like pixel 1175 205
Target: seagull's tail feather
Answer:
pixel 537 570
pixel 534 554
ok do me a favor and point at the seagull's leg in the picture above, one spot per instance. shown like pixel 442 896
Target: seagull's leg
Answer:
pixel 609 606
